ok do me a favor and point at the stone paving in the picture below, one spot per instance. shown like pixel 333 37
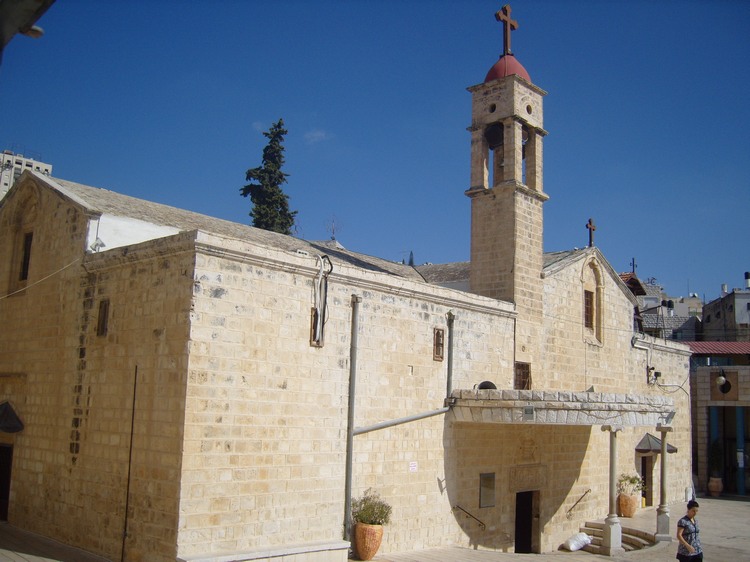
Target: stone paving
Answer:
pixel 724 524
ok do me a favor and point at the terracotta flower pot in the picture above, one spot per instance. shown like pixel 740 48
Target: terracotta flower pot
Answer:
pixel 627 504
pixel 367 539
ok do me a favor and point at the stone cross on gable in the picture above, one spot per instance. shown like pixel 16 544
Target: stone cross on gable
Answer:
pixel 591 228
pixel 509 25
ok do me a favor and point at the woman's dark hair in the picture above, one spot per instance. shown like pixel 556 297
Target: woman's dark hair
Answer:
pixel 692 504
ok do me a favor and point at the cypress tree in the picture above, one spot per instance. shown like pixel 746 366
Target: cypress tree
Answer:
pixel 270 204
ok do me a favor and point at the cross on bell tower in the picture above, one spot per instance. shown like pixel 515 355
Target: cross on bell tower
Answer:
pixel 506 191
pixel 509 25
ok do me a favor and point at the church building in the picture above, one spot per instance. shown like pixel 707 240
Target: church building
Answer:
pixel 180 387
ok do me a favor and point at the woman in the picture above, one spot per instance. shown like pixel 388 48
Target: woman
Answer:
pixel 689 548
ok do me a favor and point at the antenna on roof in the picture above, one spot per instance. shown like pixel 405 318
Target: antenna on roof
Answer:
pixel 331 227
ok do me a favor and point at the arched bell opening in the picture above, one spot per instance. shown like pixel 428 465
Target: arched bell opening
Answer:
pixel 494 135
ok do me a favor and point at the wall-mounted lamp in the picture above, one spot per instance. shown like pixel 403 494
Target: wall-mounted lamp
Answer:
pixel 721 379
pixel 97 245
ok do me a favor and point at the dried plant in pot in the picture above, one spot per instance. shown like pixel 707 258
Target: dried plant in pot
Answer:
pixel 369 513
pixel 629 487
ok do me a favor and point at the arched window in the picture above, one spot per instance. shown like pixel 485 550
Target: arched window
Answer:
pixel 23 242
pixel 592 293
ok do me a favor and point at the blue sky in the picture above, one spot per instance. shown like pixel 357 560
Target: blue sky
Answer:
pixel 166 100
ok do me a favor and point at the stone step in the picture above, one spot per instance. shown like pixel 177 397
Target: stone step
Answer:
pixel 632 539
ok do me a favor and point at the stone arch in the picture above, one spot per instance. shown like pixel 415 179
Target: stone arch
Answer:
pixel 24 219
pixel 592 291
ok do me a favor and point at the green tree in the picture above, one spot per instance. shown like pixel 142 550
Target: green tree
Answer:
pixel 270 204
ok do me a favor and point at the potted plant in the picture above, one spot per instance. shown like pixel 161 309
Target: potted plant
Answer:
pixel 716 468
pixel 369 513
pixel 629 487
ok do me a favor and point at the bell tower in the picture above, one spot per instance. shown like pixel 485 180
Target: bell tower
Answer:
pixel 506 188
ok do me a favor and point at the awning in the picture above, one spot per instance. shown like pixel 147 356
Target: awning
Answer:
pixel 9 421
pixel 557 407
pixel 651 444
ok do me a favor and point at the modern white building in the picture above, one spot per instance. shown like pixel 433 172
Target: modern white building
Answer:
pixel 12 166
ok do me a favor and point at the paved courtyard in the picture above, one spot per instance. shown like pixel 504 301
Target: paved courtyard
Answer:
pixel 724 527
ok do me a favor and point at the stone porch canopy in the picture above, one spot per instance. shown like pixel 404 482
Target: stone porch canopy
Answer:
pixel 545 407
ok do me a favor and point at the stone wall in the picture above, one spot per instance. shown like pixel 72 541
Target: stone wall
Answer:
pixel 137 415
pixel 265 430
pixel 236 438
pixel 74 470
pixel 616 362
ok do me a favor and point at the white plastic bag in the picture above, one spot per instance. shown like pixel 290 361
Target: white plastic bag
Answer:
pixel 577 542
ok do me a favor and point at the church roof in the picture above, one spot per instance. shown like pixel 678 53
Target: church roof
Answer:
pixel 561 257
pixel 105 202
pixel 171 220
pixel 506 66
pixel 438 273
pixel 443 273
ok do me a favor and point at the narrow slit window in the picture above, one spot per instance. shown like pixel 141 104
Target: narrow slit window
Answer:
pixel 487 489
pixel 438 344
pixel 103 320
pixel 26 256
pixel 588 309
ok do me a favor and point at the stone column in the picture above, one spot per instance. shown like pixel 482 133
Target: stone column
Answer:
pixel 662 512
pixel 512 152
pixel 740 433
pixel 612 536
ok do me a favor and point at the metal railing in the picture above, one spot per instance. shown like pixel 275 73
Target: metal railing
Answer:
pixel 570 511
pixel 481 524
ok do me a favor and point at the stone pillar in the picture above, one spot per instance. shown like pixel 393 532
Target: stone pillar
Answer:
pixel 662 512
pixel 612 536
pixel 741 468
pixel 512 152
pixel 479 160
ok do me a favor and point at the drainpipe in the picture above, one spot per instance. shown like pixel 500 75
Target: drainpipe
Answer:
pixel 351 431
pixel 130 465
pixel 399 421
pixel 449 384
pixel 350 418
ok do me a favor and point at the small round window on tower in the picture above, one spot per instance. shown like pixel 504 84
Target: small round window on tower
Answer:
pixel 529 109
pixel 493 107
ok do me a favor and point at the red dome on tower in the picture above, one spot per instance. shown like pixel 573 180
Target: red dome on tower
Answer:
pixel 506 66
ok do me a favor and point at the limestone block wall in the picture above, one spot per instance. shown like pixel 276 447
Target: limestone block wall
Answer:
pixel 553 460
pixel 203 421
pixel 266 413
pixel 617 363
pixel 73 469
pixel 40 355
pixel 138 374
